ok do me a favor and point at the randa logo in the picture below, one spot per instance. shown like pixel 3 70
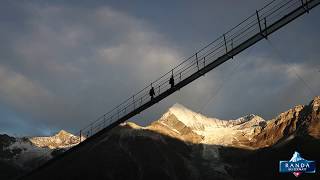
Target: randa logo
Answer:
pixel 297 165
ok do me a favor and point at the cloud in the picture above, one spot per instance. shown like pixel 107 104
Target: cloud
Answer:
pixel 264 86
pixel 20 90
pixel 69 65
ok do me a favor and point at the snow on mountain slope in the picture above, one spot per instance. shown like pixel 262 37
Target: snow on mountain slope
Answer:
pixel 183 121
pixel 27 153
pixel 199 122
pixel 62 139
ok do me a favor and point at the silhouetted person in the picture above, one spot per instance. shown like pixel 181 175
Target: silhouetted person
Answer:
pixel 151 93
pixel 171 82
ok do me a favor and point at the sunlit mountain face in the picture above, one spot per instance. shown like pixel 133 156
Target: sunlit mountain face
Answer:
pixel 182 144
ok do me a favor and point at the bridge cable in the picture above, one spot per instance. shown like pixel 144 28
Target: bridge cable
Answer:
pixel 225 80
pixel 300 78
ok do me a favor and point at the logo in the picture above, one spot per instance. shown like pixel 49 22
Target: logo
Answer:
pixel 297 165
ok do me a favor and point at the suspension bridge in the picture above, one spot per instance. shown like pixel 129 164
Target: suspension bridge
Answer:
pixel 254 28
pixel 258 26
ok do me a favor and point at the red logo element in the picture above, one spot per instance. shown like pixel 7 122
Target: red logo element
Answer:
pixel 297 174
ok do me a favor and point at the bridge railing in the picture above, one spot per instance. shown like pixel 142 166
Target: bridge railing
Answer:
pixel 255 23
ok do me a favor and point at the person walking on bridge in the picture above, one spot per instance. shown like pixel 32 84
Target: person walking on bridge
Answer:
pixel 171 81
pixel 151 92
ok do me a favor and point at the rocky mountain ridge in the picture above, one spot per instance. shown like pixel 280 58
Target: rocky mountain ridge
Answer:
pixel 249 132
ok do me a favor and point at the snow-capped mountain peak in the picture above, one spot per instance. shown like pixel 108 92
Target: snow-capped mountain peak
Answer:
pixel 63 133
pixel 202 129
pixel 62 139
pixel 26 153
pixel 197 121
pixel 188 117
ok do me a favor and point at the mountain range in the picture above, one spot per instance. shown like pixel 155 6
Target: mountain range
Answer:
pixel 20 155
pixel 182 144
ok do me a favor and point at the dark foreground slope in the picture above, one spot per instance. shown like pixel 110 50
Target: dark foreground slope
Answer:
pixel 129 152
pixel 144 157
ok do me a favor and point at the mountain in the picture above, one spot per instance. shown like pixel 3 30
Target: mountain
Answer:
pixel 62 139
pixel 180 122
pixel 184 144
pixel 249 132
pixel 18 155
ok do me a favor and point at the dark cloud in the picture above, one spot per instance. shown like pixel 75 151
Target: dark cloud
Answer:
pixel 64 67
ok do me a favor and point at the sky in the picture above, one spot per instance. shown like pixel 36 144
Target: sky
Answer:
pixel 64 63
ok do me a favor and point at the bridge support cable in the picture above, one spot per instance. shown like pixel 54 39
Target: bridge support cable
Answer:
pixel 298 76
pixel 225 79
